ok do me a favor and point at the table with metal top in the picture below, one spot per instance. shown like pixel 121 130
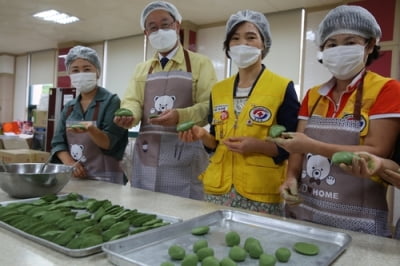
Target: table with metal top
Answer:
pixel 363 250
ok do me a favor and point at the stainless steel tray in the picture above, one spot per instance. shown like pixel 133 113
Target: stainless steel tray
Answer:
pixel 67 251
pixel 151 248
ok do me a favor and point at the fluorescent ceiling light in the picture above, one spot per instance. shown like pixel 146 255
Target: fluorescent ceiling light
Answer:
pixel 55 16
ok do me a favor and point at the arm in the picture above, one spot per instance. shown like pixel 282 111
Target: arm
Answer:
pixel 133 98
pixel 293 173
pixel 287 116
pixel 59 141
pixel 382 131
pixel 112 137
pixel 105 134
pixel 379 141
pixel 368 165
pixel 199 133
pixel 204 77
pixel 59 145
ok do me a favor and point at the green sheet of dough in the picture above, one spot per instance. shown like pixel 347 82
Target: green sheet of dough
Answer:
pixel 306 248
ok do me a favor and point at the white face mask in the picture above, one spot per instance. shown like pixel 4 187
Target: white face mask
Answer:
pixel 344 61
pixel 84 81
pixel 244 55
pixel 163 40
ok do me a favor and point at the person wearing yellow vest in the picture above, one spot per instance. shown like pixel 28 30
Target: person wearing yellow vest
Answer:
pixel 357 110
pixel 245 170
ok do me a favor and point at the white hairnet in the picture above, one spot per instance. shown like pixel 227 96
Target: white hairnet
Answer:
pixel 254 17
pixel 84 53
pixel 346 19
pixel 159 5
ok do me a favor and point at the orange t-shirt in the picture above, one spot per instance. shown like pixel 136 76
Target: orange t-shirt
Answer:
pixel 387 103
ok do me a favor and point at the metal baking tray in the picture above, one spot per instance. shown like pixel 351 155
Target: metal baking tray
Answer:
pixel 151 248
pixel 67 251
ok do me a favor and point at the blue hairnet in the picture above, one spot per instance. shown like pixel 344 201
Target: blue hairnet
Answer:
pixel 159 5
pixel 84 53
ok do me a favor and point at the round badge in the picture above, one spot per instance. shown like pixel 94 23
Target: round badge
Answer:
pixel 260 114
pixel 224 115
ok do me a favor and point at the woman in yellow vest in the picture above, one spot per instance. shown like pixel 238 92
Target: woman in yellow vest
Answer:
pixel 245 170
pixel 357 110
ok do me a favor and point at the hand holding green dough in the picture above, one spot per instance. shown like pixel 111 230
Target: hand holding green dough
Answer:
pixel 276 130
pixel 345 157
pixel 153 115
pixel 185 126
pixel 78 126
pixel 123 112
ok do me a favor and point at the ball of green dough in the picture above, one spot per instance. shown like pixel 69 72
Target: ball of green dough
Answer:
pixel 267 260
pixel 255 249
pixel 210 261
pixel 248 241
pixel 283 254
pixel 232 238
pixel 204 252
pixel 190 260
pixel 227 262
pixel 201 243
pixel 176 252
pixel 237 253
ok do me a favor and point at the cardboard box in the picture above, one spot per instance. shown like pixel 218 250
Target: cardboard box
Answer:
pixel 23 156
pixel 39 118
pixel 13 142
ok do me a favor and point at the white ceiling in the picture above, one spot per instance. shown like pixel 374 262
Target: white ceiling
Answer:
pixel 111 19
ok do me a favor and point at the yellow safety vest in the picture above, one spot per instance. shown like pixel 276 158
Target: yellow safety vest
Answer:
pixel 254 175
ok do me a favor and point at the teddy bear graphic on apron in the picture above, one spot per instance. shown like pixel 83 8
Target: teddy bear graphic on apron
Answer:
pixel 162 162
pixel 330 195
pixel 98 165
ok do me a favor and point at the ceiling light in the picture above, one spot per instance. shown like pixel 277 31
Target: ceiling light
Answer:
pixel 55 16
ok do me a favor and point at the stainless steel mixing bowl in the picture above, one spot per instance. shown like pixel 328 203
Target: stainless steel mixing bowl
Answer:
pixel 24 180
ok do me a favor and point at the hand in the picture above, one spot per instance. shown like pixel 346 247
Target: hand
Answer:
pixel 293 142
pixel 242 145
pixel 364 165
pixel 393 177
pixel 289 191
pixel 193 134
pixel 124 121
pixel 166 118
pixel 79 170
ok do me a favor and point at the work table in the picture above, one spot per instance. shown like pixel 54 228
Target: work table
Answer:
pixel 363 250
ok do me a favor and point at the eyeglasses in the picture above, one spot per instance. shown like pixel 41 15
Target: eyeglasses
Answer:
pixel 163 26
